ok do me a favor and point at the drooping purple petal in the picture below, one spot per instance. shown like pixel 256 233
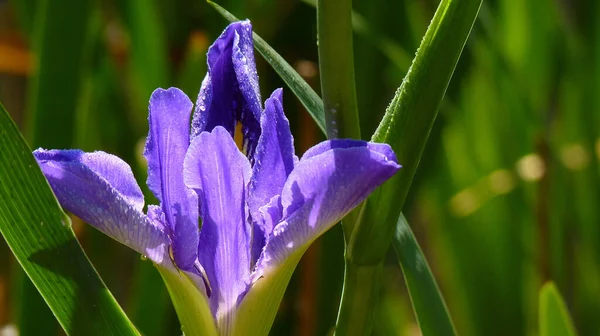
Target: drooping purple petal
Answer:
pixel 101 190
pixel 274 161
pixel 381 148
pixel 230 91
pixel 219 173
pixel 166 145
pixel 322 189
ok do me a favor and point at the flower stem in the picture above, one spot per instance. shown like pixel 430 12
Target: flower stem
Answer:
pixel 336 66
pixel 190 304
pixel 357 308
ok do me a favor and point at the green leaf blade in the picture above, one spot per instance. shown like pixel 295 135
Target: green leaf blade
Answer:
pixel 39 235
pixel 406 127
pixel 54 102
pixel 409 120
pixel 554 316
pixel 428 303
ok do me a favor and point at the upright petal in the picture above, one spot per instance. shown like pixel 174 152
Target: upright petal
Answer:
pixel 274 161
pixel 321 190
pixel 274 154
pixel 230 91
pixel 219 173
pixel 166 145
pixel 101 190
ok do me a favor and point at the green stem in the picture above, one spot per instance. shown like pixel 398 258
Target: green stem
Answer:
pixel 357 308
pixel 190 304
pixel 336 65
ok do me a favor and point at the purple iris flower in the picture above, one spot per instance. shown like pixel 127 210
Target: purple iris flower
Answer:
pixel 226 215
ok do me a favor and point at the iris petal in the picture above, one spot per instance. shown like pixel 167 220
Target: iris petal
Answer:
pixel 167 143
pixel 230 91
pixel 274 161
pixel 381 148
pixel 321 190
pixel 219 173
pixel 101 190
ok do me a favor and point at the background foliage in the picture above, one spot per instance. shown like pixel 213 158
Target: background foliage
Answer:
pixel 505 197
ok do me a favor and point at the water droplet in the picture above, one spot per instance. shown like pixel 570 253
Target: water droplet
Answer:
pixel 66 221
pixel 144 258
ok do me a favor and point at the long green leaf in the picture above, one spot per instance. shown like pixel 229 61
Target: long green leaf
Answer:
pixel 307 96
pixel 554 317
pixel 430 308
pixel 39 235
pixel 406 127
pixel 408 121
pixel 54 98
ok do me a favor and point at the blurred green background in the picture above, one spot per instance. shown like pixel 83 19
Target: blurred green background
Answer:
pixel 507 195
